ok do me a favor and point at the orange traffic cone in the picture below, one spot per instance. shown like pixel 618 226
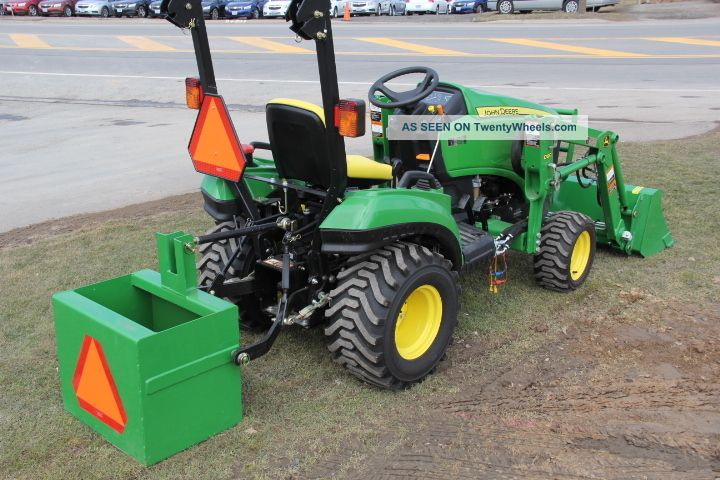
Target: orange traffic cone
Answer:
pixel 346 15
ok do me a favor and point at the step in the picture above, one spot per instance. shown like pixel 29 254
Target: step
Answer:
pixel 477 245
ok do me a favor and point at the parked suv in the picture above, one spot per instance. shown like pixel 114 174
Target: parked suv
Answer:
pixel 131 8
pixel 65 8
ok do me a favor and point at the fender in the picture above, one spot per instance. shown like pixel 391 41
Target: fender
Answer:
pixel 368 219
pixel 220 197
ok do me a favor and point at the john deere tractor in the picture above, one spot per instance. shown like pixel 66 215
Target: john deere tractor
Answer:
pixel 370 248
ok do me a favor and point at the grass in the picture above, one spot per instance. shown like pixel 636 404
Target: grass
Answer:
pixel 300 407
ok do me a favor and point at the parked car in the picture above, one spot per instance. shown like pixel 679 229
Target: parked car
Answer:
pixel 65 8
pixel 392 7
pixel 244 9
pixel 427 6
pixel 365 7
pixel 98 8
pixel 24 7
pixel 214 9
pixel 154 9
pixel 337 8
pixel 275 8
pixel 2 7
pixel 469 6
pixel 568 6
pixel 131 8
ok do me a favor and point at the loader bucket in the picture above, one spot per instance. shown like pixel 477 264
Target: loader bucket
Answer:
pixel 646 222
pixel 145 359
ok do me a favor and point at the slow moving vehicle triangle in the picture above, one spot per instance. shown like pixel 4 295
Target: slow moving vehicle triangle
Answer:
pixel 214 146
pixel 95 387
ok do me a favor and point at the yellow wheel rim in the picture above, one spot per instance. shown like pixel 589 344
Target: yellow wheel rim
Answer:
pixel 418 322
pixel 580 255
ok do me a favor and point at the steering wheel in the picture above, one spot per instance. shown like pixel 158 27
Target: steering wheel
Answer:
pixel 404 99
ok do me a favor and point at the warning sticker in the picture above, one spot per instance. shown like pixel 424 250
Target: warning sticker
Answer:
pixel 376 126
pixel 611 182
pixel 505 110
pixel 637 190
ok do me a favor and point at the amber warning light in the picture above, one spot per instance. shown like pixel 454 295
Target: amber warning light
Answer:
pixel 350 118
pixel 193 93
pixel 214 146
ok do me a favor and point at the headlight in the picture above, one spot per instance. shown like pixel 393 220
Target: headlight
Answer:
pixel 131 5
pixel 21 4
pixel 57 5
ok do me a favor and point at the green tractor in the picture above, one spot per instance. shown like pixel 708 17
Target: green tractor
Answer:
pixel 371 248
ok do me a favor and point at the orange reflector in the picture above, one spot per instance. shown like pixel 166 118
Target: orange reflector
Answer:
pixel 95 387
pixel 350 118
pixel 193 93
pixel 425 157
pixel 214 147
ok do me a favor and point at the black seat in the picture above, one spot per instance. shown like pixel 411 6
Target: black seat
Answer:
pixel 296 140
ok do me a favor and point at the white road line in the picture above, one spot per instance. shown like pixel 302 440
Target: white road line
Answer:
pixel 275 80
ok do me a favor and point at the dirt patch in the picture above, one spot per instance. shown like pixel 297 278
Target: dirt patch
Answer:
pixel 632 392
pixel 141 211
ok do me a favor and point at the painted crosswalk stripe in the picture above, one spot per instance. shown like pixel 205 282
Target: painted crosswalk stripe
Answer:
pixel 413 47
pixel 270 45
pixel 597 52
pixel 145 44
pixel 686 41
pixel 24 40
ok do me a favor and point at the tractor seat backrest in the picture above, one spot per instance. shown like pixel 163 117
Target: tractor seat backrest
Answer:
pixel 297 138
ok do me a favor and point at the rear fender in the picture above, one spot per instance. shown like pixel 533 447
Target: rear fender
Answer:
pixel 221 198
pixel 369 219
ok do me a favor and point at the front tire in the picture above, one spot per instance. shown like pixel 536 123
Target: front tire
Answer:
pixel 566 253
pixel 392 314
pixel 104 12
pixel 68 11
pixel 506 7
pixel 33 11
pixel 214 14
pixel 141 12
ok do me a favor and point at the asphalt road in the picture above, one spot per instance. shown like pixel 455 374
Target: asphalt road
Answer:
pixel 92 111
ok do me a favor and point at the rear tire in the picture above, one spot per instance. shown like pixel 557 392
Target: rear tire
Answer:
pixel 566 253
pixel 104 12
pixel 141 12
pixel 392 314
pixel 214 14
pixel 214 257
pixel 33 11
pixel 571 6
pixel 68 11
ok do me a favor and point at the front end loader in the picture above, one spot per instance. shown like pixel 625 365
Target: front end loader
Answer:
pixel 369 249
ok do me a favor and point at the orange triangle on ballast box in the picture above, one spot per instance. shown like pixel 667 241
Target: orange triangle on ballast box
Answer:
pixel 95 387
pixel 214 146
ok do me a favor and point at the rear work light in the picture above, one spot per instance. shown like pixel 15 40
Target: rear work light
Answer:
pixel 193 93
pixel 350 118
